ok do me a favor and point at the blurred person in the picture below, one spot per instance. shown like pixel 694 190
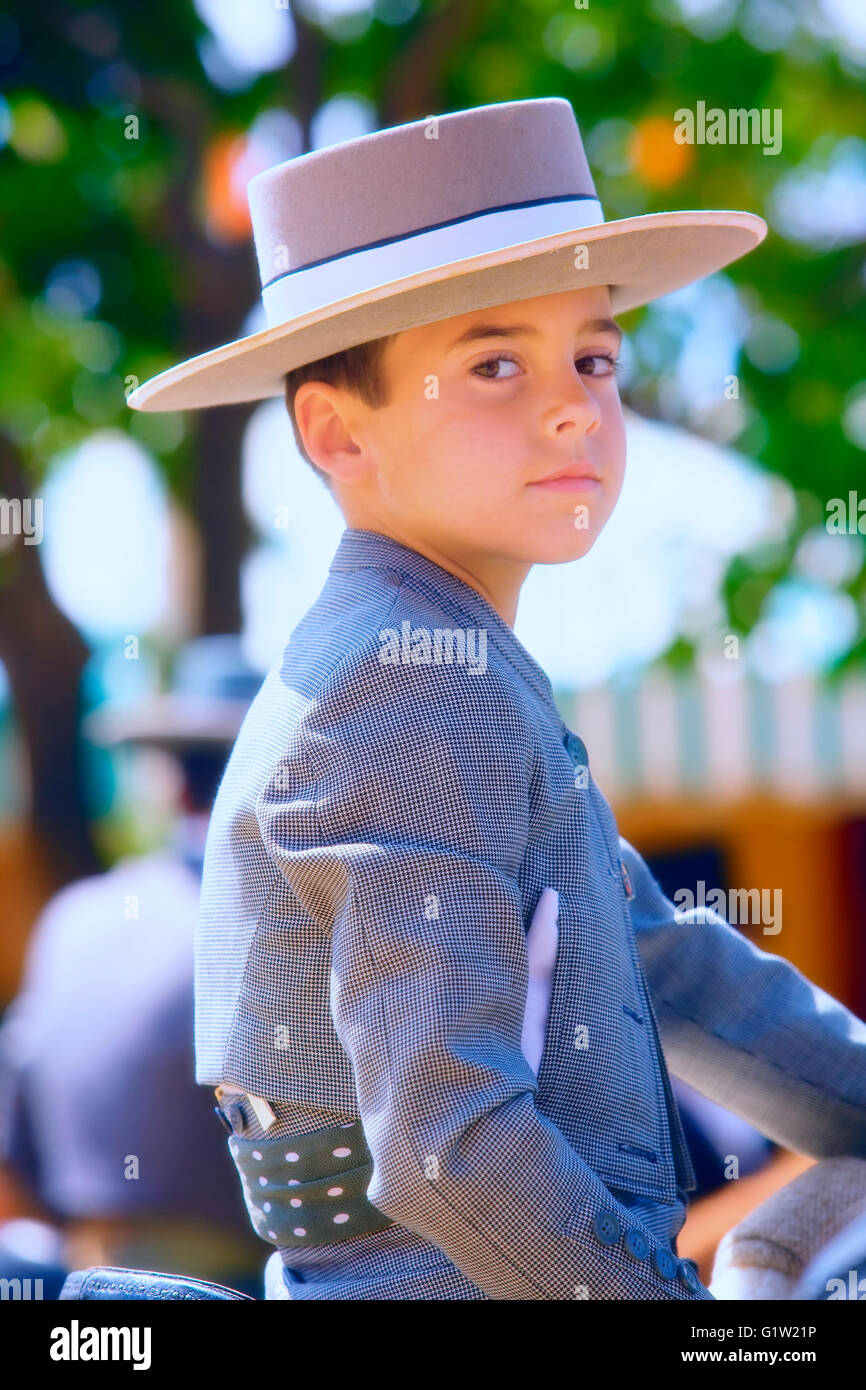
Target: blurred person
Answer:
pixel 111 1147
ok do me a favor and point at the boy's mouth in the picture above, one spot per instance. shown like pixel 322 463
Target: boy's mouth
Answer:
pixel 569 484
pixel 578 476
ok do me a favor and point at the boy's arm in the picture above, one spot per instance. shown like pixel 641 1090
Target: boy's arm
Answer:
pixel 399 822
pixel 746 1027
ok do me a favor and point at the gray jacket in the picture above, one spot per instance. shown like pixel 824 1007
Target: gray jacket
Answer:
pixel 401 791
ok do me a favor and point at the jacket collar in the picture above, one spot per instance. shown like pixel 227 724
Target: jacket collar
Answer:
pixel 370 550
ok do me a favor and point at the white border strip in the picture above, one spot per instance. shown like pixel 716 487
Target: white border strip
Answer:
pixel 309 290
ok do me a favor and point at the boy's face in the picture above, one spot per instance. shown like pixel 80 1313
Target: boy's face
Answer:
pixel 452 466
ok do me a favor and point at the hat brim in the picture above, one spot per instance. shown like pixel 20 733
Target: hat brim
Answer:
pixel 169 721
pixel 641 258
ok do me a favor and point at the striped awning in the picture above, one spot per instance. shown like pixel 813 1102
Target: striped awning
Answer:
pixel 664 733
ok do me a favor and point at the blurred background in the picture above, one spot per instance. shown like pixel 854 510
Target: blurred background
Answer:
pixel 710 649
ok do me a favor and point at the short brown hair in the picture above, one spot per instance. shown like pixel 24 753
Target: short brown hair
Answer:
pixel 358 369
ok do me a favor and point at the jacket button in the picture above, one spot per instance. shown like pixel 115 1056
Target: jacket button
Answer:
pixel 688 1276
pixel 576 750
pixel 606 1226
pixel 636 1244
pixel 626 881
pixel 665 1263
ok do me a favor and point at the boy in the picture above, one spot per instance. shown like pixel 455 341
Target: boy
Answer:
pixel 404 801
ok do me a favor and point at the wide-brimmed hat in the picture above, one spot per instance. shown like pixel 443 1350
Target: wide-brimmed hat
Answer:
pixel 430 220
pixel 211 690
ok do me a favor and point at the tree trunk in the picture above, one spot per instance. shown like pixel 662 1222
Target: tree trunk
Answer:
pixel 44 655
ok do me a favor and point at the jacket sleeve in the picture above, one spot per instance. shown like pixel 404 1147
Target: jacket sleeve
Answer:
pixel 746 1028
pixel 399 819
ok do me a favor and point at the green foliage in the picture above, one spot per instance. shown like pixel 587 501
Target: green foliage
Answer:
pixel 124 205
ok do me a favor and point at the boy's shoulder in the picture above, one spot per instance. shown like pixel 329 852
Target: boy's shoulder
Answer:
pixel 372 718
pixel 387 640
pixel 378 660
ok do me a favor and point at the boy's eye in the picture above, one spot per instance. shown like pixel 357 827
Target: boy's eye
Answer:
pixel 495 362
pixel 611 363
pixel 609 368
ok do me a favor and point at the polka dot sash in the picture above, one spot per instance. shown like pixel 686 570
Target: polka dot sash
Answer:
pixel 308 1189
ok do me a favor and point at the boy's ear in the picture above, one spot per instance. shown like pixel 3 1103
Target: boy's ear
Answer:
pixel 325 422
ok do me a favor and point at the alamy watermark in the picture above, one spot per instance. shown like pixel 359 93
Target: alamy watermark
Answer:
pixel 845 519
pixel 77 1343
pixel 730 906
pixel 23 1289
pixel 448 646
pixel 21 516
pixel 737 126
pixel 855 1289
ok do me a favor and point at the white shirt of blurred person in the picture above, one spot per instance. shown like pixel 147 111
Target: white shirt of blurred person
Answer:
pixel 106 1005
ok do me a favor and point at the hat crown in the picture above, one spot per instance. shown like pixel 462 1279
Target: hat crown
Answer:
pixel 214 667
pixel 405 179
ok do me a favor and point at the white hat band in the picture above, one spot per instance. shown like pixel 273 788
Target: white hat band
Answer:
pixel 309 290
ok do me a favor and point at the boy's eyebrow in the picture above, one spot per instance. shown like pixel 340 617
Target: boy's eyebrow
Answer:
pixel 527 330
